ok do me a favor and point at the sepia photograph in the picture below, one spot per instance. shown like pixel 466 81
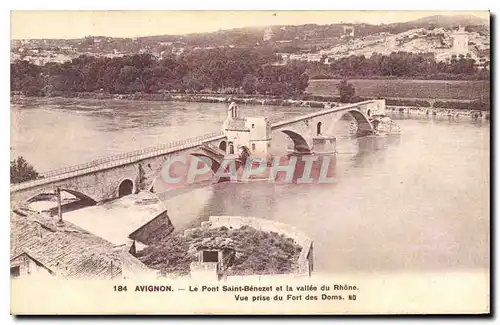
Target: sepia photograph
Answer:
pixel 250 162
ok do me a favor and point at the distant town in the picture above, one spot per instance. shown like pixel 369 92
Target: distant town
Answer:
pixel 440 36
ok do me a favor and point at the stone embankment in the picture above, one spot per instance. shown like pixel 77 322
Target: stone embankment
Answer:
pixel 437 112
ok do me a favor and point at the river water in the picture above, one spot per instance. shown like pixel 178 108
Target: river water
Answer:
pixel 418 202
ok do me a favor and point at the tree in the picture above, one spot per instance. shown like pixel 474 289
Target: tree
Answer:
pixel 21 171
pixel 250 84
pixel 346 91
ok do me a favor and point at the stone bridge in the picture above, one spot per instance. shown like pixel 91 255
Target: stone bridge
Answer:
pixel 110 177
pixel 304 129
pixel 128 173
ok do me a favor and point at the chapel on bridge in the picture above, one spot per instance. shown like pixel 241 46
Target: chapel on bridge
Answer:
pixel 251 133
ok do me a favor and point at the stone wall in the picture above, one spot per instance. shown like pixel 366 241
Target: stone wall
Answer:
pixel 306 255
pixel 159 225
pixel 204 271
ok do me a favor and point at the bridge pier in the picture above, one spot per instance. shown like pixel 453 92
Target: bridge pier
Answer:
pixel 324 144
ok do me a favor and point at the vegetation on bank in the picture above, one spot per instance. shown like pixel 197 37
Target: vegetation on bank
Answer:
pixel 247 70
pixel 408 89
pixel 225 70
pixel 399 65
pixel 22 171
pixel 256 252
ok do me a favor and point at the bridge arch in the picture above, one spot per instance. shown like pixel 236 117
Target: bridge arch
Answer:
pixel 79 195
pixel 126 186
pixel 215 163
pixel 300 143
pixel 364 126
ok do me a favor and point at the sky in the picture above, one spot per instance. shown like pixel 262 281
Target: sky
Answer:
pixel 78 24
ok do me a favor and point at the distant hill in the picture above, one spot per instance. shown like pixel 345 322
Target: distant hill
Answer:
pixel 313 34
pixel 446 21
pixel 283 38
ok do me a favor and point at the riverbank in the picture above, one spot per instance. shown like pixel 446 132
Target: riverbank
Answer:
pixel 402 111
pixel 305 100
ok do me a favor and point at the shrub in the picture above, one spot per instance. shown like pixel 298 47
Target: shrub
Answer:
pixel 22 171
pixel 346 91
pixel 407 102
pixel 257 252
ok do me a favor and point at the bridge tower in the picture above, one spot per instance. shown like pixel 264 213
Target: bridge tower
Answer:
pixel 252 134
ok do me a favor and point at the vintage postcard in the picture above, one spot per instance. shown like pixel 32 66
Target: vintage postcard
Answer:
pixel 250 162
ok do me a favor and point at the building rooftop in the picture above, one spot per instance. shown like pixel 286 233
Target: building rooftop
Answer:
pixel 237 124
pixel 69 251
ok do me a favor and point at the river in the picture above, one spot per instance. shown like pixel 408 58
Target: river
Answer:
pixel 418 203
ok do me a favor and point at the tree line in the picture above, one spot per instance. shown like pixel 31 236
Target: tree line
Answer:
pixel 225 70
pixel 399 64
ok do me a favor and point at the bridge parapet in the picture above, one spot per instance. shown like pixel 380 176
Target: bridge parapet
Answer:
pixel 116 160
pixel 377 105
pixel 372 107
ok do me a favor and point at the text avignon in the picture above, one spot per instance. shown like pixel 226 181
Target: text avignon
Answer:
pixel 153 288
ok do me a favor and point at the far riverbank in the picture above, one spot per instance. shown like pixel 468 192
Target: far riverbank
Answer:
pixel 305 100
